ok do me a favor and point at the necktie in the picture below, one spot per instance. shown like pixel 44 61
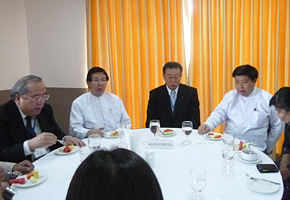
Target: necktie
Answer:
pixel 172 99
pixel 29 126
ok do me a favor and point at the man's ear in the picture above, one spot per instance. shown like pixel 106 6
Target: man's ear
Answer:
pixel 17 99
pixel 255 80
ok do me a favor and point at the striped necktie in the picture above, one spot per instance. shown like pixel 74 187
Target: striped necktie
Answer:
pixel 29 126
pixel 172 99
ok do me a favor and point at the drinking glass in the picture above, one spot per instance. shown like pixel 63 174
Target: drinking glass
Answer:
pixel 228 151
pixel 121 129
pixel 187 129
pixel 94 141
pixel 197 182
pixel 154 126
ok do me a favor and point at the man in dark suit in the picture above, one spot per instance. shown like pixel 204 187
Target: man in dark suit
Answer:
pixel 27 127
pixel 173 102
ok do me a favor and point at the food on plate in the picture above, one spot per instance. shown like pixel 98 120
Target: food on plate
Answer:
pixel 115 133
pixel 17 181
pixel 240 146
pixel 67 149
pixel 213 135
pixel 34 174
pixel 33 179
pixel 167 132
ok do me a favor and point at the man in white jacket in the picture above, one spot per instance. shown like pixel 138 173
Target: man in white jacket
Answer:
pixel 246 112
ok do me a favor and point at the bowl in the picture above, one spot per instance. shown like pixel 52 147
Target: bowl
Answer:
pixel 250 155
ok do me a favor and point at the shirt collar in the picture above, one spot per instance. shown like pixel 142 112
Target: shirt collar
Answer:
pixel 169 90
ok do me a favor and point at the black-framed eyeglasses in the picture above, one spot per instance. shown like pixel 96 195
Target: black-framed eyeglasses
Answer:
pixel 38 99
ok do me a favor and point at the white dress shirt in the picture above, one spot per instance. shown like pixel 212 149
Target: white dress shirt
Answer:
pixel 249 118
pixel 89 111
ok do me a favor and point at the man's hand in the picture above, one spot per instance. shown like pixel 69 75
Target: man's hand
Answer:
pixel 23 167
pixel 69 140
pixel 202 129
pixel 99 132
pixel 45 139
pixel 2 174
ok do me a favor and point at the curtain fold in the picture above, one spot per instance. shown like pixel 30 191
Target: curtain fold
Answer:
pixel 133 39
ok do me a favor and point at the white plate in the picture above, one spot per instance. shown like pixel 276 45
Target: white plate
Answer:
pixel 109 136
pixel 206 136
pixel 162 135
pixel 42 178
pixel 262 186
pixel 249 161
pixel 59 151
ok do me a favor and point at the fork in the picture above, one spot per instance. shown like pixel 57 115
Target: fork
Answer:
pixel 256 179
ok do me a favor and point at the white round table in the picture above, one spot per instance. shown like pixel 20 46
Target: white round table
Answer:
pixel 172 166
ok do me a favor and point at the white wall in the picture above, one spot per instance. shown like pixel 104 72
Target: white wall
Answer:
pixel 43 37
pixel 14 61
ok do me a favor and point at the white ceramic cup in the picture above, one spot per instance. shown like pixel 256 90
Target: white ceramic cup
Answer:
pixel 246 154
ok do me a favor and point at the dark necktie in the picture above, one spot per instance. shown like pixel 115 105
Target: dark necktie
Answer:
pixel 29 126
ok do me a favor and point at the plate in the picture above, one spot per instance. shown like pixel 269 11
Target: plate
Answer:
pixel 249 161
pixel 262 186
pixel 59 151
pixel 41 179
pixel 212 137
pixel 109 136
pixel 162 135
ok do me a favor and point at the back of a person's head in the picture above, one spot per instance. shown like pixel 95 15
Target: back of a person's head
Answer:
pixel 246 70
pixel 281 99
pixel 117 174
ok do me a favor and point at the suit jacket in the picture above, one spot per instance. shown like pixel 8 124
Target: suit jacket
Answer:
pixel 13 132
pixel 186 107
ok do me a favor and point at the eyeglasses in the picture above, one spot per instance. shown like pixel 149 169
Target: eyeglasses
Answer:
pixel 38 99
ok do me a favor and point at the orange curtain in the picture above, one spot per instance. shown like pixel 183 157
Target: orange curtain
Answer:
pixel 133 39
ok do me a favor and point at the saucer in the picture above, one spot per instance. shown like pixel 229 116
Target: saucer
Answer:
pixel 249 161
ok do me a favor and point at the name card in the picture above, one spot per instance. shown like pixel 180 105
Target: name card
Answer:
pixel 160 144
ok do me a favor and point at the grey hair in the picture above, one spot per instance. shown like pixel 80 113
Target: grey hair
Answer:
pixel 21 86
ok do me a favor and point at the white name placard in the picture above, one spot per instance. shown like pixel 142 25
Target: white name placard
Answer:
pixel 160 144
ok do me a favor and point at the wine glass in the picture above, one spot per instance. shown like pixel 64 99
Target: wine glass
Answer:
pixel 228 151
pixel 197 182
pixel 154 126
pixel 187 129
pixel 94 141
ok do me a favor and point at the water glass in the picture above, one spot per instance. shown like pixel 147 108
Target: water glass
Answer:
pixel 197 182
pixel 187 129
pixel 228 152
pixel 154 126
pixel 84 152
pixel 94 142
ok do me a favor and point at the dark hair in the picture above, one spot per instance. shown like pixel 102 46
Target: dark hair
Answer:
pixel 246 70
pixel 116 174
pixel 94 70
pixel 172 65
pixel 281 99
pixel 21 86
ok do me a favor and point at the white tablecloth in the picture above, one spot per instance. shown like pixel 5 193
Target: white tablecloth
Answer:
pixel 172 168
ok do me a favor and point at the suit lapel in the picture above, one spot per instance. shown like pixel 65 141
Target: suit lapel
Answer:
pixel 167 104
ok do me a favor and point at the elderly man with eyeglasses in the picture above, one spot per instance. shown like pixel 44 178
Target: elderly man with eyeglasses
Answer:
pixel 27 127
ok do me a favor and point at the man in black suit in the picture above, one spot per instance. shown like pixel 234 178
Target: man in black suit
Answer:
pixel 27 127
pixel 173 102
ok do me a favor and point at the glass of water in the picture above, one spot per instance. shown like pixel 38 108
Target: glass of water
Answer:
pixel 94 142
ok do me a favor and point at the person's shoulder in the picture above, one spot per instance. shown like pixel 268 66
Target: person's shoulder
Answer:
pixel 8 106
pixel 187 87
pixel 162 87
pixel 264 94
